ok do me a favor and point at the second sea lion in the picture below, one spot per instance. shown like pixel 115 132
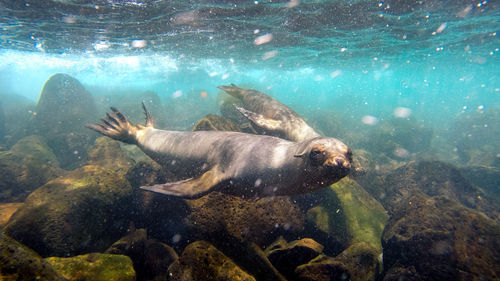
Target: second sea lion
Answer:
pixel 232 162
pixel 269 114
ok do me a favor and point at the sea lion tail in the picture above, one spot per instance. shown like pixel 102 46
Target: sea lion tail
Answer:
pixel 149 119
pixel 117 127
pixel 233 90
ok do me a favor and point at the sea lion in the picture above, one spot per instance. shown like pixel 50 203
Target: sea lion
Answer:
pixel 232 162
pixel 270 115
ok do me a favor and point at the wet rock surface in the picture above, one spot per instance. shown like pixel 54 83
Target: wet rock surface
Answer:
pixel 435 238
pixel 213 122
pixel 94 267
pixel 202 261
pixel 86 210
pixel 27 165
pixel 62 111
pixel 18 262
pixel 150 257
pixel 6 211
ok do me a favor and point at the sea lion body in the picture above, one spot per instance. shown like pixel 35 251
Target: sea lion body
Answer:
pixel 232 162
pixel 270 115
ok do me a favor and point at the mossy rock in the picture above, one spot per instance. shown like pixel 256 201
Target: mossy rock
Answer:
pixel 213 122
pixel 86 210
pixel 107 153
pixel 64 107
pixel 201 261
pixel 18 262
pixel 94 267
pixel 349 214
pixel 29 164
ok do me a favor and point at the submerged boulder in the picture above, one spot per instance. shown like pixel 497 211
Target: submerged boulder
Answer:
pixel 94 267
pixel 150 257
pixel 62 111
pixel 85 210
pixel 6 211
pixel 434 178
pixel 18 262
pixel 29 164
pixel 435 238
pixel 17 112
pixel 201 261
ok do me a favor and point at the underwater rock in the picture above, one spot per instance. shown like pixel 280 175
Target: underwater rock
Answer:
pixel 62 111
pixel 29 164
pixel 201 261
pixel 213 122
pixel 107 153
pixel 398 138
pixel 94 267
pixel 322 268
pixel 435 238
pixel 347 214
pixel 475 137
pixel 260 220
pixel 84 211
pixel 287 256
pixel 485 177
pixel 7 210
pixel 17 111
pixel 434 178
pixel 18 262
pixel 129 102
pixel 362 261
pixel 151 258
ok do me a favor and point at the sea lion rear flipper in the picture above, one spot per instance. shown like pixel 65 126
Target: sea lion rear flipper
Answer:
pixel 233 90
pixel 188 188
pixel 260 120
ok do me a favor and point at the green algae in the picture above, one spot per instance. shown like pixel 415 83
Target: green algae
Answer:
pixel 94 267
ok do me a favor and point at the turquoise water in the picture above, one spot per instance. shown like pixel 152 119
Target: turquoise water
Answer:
pixel 397 81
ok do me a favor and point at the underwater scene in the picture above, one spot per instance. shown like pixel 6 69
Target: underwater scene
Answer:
pixel 249 140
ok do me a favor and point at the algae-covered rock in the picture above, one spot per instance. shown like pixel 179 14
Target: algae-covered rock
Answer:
pixel 62 111
pixel 6 211
pixel 434 178
pixel 348 214
pixel 18 111
pixel 435 238
pixel 322 268
pixel 85 210
pixel 107 153
pixel 485 177
pixel 201 261
pixel 18 262
pixel 287 256
pixel 29 164
pixel 260 220
pixel 151 258
pixel 213 122
pixel 94 267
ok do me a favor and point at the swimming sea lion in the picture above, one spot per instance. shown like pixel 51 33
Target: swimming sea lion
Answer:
pixel 271 115
pixel 232 162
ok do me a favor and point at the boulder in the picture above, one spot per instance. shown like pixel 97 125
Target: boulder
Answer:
pixel 202 261
pixel 322 268
pixel 6 211
pixel 18 262
pixel 107 153
pixel 436 238
pixel 84 211
pixel 94 267
pixel 485 177
pixel 260 220
pixel 150 257
pixel 64 107
pixel 29 164
pixel 17 113
pixel 287 256
pixel 434 178
pixel 213 122
pixel 345 214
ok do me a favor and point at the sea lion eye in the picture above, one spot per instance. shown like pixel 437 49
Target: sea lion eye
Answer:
pixel 316 156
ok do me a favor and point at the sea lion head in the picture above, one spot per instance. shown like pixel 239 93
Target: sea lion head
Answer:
pixel 327 159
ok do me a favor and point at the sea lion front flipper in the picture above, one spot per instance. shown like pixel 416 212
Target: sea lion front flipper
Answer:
pixel 260 120
pixel 188 188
